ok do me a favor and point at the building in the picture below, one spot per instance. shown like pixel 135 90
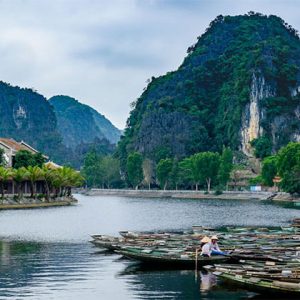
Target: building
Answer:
pixel 11 147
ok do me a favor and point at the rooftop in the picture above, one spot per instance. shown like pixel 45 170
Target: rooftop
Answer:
pixel 17 146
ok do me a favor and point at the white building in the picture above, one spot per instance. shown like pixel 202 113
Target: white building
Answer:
pixel 11 147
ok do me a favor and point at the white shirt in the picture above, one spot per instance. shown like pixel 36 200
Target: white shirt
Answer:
pixel 206 249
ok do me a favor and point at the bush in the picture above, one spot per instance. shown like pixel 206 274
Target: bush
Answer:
pixel 218 192
pixel 263 147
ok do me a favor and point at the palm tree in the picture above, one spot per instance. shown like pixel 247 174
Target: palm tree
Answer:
pixel 34 174
pixel 64 179
pixel 74 180
pixel 20 176
pixel 48 175
pixel 5 175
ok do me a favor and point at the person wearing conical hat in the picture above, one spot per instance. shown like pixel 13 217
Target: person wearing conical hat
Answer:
pixel 214 247
pixel 205 247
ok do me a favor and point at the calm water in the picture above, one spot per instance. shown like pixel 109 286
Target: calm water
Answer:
pixel 45 254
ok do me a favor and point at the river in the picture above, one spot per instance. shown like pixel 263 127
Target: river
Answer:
pixel 45 253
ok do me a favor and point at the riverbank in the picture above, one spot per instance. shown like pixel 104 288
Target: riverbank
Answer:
pixel 28 203
pixel 236 195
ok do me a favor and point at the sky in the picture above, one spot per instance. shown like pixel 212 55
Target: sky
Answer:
pixel 102 52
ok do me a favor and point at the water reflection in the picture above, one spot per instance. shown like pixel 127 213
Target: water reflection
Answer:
pixel 147 283
pixel 207 281
pixel 45 254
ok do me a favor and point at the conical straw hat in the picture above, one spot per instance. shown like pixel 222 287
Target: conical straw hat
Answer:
pixel 206 239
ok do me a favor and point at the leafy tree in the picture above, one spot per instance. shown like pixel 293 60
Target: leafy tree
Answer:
pixel 288 164
pixel 226 166
pixel 135 169
pixel 185 176
pixel 101 171
pixel 269 170
pixel 110 170
pixel 205 167
pixel 39 159
pixel 24 158
pixel 92 170
pixel 175 174
pixel 164 169
pixel 148 171
pixel 263 147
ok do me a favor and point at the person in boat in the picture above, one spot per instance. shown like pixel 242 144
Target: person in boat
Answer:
pixel 214 247
pixel 205 247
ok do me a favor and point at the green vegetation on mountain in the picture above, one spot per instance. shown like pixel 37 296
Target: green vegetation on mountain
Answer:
pixel 79 123
pixel 64 130
pixel 205 104
pixel 27 115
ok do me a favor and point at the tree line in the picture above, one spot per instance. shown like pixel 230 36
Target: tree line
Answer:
pixel 204 169
pixel 286 165
pixel 31 168
pixel 208 170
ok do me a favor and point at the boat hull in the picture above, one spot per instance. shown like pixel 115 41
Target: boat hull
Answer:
pixel 262 286
pixel 173 262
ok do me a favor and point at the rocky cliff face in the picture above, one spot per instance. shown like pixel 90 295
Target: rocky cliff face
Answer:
pixel 239 82
pixel 254 112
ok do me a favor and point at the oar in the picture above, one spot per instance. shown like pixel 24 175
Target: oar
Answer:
pixel 196 264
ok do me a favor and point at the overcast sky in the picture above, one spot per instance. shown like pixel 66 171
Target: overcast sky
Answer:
pixel 102 52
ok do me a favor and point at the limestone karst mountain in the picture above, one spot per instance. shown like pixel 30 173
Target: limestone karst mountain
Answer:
pixel 238 83
pixel 79 123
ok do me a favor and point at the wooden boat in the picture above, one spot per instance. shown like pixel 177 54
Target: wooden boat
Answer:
pixel 277 244
pixel 170 259
pixel 106 242
pixel 262 285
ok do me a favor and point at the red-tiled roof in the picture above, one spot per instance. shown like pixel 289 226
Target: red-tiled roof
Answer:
pixel 11 143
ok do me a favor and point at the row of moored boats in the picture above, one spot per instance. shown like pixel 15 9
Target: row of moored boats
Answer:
pixel 263 259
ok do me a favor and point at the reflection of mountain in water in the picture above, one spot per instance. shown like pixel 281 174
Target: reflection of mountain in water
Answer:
pixel 28 264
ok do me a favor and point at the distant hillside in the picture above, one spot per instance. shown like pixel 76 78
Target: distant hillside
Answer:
pixel 79 123
pixel 27 115
pixel 238 83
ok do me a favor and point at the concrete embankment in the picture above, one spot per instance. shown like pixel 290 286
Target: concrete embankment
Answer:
pixel 33 203
pixel 237 195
